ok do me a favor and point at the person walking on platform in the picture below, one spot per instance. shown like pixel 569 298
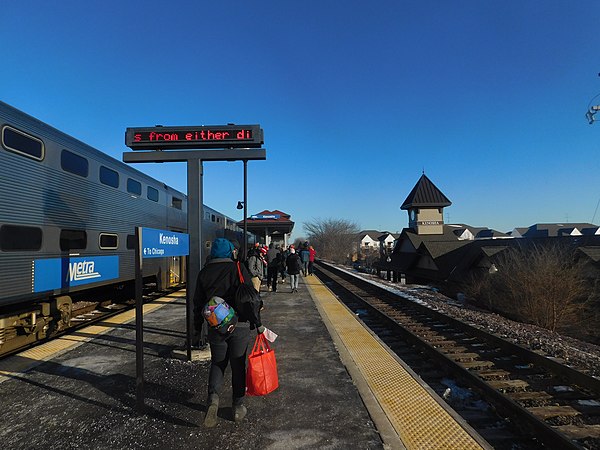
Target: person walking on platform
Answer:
pixel 284 254
pixel 272 271
pixel 271 253
pixel 263 257
pixel 220 278
pixel 304 256
pixel 293 265
pixel 255 266
pixel 311 259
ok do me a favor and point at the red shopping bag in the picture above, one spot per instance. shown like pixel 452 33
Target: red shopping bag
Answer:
pixel 261 375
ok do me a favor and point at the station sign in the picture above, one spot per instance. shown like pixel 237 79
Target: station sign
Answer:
pixel 217 136
pixel 162 243
pixel 265 216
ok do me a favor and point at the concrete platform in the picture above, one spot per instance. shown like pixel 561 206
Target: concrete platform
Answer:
pixel 340 388
pixel 83 397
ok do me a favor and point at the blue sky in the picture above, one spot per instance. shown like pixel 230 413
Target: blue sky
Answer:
pixel 356 99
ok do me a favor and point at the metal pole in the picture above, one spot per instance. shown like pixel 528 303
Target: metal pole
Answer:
pixel 139 324
pixel 245 208
pixel 194 216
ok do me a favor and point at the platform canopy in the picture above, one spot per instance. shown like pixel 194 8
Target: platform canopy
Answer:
pixel 272 225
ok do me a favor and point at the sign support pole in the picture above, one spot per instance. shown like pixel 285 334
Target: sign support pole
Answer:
pixel 139 323
pixel 195 258
pixel 245 253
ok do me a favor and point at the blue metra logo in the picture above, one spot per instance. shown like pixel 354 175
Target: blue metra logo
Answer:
pixel 83 270
pixel 60 273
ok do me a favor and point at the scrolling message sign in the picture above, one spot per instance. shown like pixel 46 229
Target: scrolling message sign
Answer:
pixel 218 136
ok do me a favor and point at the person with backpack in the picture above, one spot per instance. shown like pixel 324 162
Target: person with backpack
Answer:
pixel 218 285
pixel 293 265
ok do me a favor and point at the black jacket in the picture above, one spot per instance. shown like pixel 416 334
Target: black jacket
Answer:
pixel 218 277
pixel 293 264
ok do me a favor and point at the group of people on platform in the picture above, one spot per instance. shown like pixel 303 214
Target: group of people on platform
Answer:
pixel 220 278
pixel 269 263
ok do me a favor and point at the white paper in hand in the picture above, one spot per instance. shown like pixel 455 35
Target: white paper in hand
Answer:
pixel 269 335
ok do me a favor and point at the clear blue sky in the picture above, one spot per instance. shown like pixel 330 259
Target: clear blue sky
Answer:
pixel 355 98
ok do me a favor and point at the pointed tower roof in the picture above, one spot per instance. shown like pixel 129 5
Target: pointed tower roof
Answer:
pixel 425 194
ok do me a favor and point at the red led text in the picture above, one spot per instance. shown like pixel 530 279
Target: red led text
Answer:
pixel 202 135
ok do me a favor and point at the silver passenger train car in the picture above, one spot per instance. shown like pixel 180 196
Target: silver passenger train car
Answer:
pixel 67 218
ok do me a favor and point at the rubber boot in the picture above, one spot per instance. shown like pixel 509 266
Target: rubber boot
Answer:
pixel 210 420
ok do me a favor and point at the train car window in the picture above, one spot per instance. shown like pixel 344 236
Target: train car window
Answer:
pixel 71 162
pixel 109 241
pixel 152 194
pixel 218 219
pixel 177 203
pixel 212 218
pixel 73 240
pixel 14 238
pixel 130 242
pixel 134 187
pixel 22 143
pixel 109 177
pixel 207 216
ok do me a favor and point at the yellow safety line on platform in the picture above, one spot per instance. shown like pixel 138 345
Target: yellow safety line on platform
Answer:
pixel 421 423
pixel 27 359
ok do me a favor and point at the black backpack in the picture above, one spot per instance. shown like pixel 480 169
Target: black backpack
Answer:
pixel 247 302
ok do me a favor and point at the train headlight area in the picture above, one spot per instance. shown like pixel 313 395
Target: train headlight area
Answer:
pixel 338 385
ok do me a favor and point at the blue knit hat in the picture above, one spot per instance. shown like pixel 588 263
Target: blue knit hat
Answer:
pixel 221 248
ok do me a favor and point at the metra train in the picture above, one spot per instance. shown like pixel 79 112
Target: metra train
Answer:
pixel 68 214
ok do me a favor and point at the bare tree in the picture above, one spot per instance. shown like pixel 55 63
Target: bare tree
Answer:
pixel 332 238
pixel 538 284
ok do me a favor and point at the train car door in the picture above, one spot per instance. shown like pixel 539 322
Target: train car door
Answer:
pixel 176 270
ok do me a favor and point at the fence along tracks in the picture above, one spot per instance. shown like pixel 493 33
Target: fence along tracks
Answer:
pixel 558 404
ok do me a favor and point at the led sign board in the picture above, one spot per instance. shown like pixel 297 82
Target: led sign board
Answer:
pixel 218 136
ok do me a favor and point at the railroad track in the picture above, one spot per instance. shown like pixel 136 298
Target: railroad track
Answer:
pixel 85 313
pixel 514 397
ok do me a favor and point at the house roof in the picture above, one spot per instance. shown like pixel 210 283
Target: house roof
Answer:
pixel 592 252
pixel 590 231
pixel 439 248
pixel 454 259
pixel 489 233
pixel 491 251
pixel 373 234
pixel 518 231
pixel 425 194
pixel 554 229
pixel 276 221
pixel 385 235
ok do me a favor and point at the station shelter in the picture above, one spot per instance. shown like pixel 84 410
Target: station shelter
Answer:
pixel 274 226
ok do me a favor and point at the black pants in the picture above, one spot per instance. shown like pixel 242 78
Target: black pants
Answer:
pixel 310 267
pixel 227 349
pixel 272 277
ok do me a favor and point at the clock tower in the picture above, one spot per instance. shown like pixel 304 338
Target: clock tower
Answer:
pixel 425 205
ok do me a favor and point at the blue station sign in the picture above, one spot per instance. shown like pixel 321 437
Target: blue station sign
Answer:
pixel 265 216
pixel 162 243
